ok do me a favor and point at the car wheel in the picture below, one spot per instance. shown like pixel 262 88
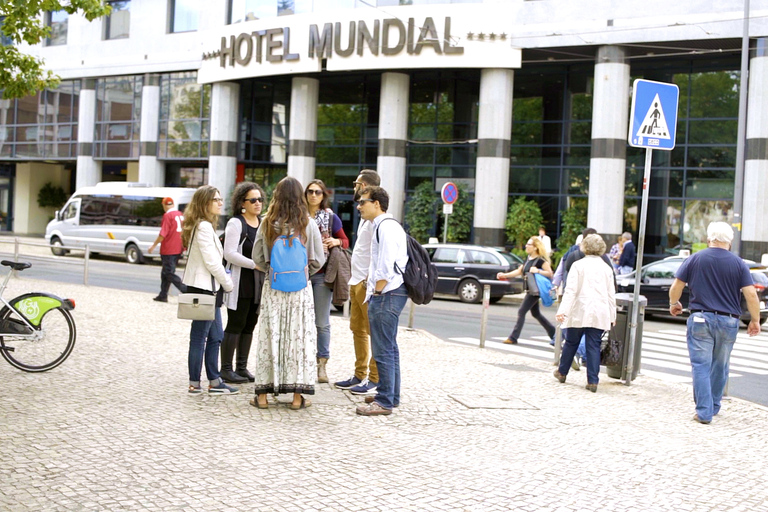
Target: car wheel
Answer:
pixel 57 247
pixel 133 254
pixel 469 291
pixel 762 321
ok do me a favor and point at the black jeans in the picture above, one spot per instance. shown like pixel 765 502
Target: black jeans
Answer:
pixel 531 303
pixel 168 274
pixel 243 320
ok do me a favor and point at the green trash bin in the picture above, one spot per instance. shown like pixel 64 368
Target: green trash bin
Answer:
pixel 624 314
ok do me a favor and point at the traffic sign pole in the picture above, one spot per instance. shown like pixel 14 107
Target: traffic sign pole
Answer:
pixel 449 194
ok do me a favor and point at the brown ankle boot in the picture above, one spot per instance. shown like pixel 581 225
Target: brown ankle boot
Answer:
pixel 322 376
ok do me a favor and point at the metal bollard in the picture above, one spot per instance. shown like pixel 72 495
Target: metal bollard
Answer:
pixel 484 319
pixel 16 249
pixel 346 309
pixel 558 344
pixel 410 315
pixel 85 264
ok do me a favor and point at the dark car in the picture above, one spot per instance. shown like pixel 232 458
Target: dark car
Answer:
pixel 464 269
pixel 657 278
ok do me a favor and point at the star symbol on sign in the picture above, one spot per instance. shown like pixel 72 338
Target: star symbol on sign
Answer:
pixel 481 36
pixel 470 35
pixel 503 36
pixel 492 36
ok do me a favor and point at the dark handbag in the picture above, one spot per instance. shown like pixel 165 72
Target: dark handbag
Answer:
pixel 611 349
pixel 530 284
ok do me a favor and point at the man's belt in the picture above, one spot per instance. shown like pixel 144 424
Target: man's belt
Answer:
pixel 715 313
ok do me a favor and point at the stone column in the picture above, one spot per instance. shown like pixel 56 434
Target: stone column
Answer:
pixel 151 170
pixel 88 169
pixel 222 159
pixel 302 130
pixel 610 118
pixel 754 235
pixel 393 134
pixel 494 132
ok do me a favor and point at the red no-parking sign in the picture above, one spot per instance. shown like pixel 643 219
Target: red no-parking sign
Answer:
pixel 449 193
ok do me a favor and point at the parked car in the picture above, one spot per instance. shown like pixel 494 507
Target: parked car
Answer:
pixel 657 278
pixel 464 269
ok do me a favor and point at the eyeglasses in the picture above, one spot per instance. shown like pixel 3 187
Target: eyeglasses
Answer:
pixel 217 199
pixel 528 245
pixel 356 183
pixel 314 192
pixel 360 202
pixel 255 200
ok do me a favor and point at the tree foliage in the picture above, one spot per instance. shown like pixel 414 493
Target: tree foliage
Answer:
pixel 21 74
pixel 523 221
pixel 572 223
pixel 51 195
pixel 460 221
pixel 421 211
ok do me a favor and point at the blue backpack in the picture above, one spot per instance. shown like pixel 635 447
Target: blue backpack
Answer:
pixel 288 271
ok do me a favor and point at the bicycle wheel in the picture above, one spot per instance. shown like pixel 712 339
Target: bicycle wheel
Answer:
pixel 46 348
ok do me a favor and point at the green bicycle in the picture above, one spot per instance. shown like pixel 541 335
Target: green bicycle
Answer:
pixel 37 331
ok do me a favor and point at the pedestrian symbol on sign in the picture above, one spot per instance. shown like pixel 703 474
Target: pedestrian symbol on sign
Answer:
pixel 655 124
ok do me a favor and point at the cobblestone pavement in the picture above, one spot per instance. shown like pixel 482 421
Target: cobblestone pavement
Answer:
pixel 113 428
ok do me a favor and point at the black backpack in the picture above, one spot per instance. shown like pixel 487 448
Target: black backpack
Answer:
pixel 420 275
pixel 243 234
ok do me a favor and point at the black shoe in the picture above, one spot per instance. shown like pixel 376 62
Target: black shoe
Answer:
pixel 231 377
pixel 160 299
pixel 246 374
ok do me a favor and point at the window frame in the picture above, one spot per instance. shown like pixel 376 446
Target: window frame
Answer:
pixel 108 21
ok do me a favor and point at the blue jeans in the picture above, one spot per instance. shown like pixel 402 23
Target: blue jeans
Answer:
pixel 322 295
pixel 710 341
pixel 592 340
pixel 204 339
pixel 383 315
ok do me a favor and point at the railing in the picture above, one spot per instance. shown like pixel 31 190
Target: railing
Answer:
pixel 17 243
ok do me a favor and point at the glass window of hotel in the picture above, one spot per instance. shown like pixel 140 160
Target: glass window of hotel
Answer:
pixel 4 39
pixel 264 127
pixel 118 116
pixel 249 10
pixel 57 21
pixel 184 15
pixel 118 22
pixel 185 112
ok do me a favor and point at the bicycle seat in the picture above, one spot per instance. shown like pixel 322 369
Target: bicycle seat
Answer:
pixel 16 265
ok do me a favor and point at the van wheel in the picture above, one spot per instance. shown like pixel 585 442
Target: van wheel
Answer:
pixel 762 321
pixel 133 254
pixel 469 291
pixel 56 247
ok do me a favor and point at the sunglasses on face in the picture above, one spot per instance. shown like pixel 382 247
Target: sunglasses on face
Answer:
pixel 255 200
pixel 363 201
pixel 314 192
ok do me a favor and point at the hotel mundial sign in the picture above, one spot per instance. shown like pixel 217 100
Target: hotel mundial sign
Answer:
pixel 359 39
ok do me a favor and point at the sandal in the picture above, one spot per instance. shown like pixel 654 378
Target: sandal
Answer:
pixel 255 403
pixel 304 404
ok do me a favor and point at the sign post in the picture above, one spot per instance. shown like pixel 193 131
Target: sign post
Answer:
pixel 449 194
pixel 652 124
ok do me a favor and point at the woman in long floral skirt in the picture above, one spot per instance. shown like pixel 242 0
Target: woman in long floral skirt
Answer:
pixel 287 338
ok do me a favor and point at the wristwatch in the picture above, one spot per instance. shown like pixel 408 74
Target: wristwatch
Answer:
pixel 376 292
pixel 674 303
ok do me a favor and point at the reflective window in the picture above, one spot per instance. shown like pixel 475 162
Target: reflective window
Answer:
pixel 4 40
pixel 57 21
pixel 70 211
pixel 446 255
pixel 184 15
pixel 264 128
pixel 43 125
pixel 118 22
pixel 185 112
pixel 118 117
pixel 248 10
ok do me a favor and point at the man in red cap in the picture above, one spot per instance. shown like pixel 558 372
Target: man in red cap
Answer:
pixel 170 249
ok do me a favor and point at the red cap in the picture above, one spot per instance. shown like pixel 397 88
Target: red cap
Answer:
pixel 168 201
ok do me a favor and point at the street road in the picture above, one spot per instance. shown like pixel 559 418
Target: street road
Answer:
pixel 664 353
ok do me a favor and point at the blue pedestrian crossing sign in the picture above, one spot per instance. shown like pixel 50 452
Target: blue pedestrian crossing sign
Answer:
pixel 653 119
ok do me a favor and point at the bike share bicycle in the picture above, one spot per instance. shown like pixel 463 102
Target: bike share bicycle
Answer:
pixel 37 331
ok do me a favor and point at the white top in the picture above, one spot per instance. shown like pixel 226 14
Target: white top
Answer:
pixel 204 260
pixel 361 254
pixel 590 297
pixel 547 243
pixel 391 249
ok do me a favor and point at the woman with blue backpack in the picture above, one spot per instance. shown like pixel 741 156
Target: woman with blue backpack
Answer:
pixel 288 244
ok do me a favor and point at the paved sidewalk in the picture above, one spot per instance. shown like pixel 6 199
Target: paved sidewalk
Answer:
pixel 113 428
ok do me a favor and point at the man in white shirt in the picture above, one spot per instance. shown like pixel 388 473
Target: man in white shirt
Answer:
pixel 546 241
pixel 366 376
pixel 386 296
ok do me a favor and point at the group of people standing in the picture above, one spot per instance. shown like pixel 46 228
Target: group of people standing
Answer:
pixel 290 331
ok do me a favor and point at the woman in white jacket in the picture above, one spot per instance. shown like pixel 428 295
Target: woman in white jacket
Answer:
pixel 588 308
pixel 203 274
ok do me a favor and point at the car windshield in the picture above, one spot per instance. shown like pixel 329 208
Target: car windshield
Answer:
pixel 511 258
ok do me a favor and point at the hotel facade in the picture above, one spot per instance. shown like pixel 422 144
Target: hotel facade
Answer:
pixel 508 97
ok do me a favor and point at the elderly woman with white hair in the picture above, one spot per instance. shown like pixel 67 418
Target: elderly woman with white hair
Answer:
pixel 588 309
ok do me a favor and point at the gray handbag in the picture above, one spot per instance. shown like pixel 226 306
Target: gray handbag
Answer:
pixel 197 306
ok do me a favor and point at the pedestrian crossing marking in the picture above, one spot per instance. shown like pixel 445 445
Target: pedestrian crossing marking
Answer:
pixel 668 377
pixel 654 124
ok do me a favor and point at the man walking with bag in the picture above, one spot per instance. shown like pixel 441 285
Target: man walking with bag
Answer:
pixel 715 277
pixel 171 248
pixel 366 376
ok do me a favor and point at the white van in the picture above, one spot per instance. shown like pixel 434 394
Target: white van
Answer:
pixel 113 218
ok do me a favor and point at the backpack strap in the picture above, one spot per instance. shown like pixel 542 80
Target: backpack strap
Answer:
pixel 397 269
